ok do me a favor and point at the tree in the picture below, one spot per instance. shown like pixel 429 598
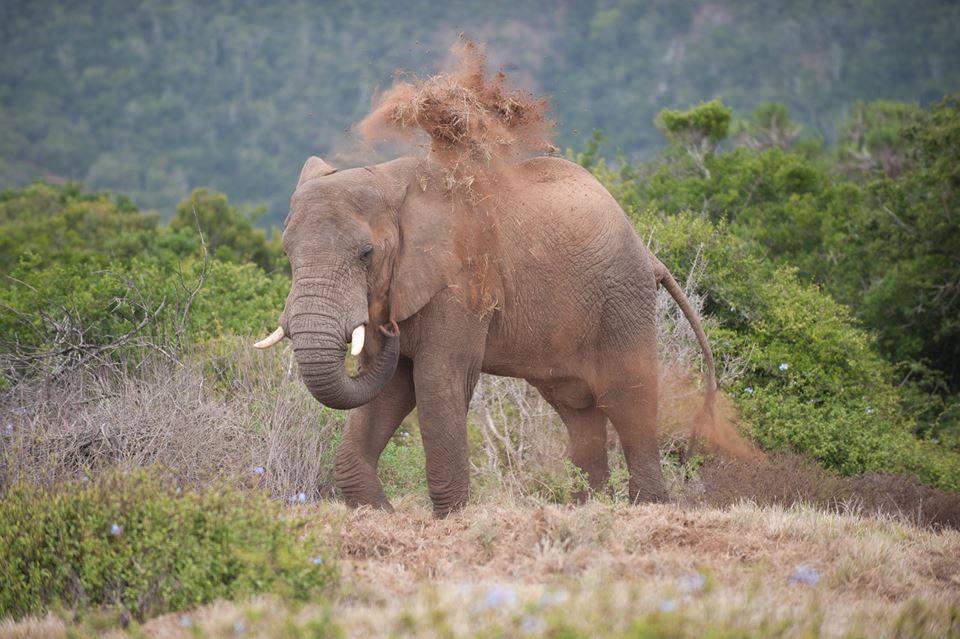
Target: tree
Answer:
pixel 228 232
pixel 770 127
pixel 872 137
pixel 698 130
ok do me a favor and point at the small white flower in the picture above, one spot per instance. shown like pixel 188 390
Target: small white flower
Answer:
pixel 868 410
pixel 532 625
pixel 499 597
pixel 116 530
pixel 784 366
pixel 668 605
pixel 804 575
pixel 259 470
pixel 748 390
pixel 692 582
pixel 8 429
pixel 317 561
pixel 553 597
pixel 302 498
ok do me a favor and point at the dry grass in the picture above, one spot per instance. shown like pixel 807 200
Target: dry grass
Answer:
pixel 220 413
pixel 503 569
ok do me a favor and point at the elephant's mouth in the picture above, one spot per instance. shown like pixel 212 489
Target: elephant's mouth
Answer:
pixel 320 350
pixel 356 338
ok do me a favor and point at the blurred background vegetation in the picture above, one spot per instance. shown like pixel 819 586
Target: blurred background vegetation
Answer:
pixel 153 99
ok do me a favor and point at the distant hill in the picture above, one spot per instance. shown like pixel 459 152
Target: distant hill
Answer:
pixel 156 97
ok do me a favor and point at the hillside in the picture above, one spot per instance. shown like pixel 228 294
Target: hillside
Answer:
pixel 155 98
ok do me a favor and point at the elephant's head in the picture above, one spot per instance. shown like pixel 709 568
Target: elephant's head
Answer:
pixel 367 248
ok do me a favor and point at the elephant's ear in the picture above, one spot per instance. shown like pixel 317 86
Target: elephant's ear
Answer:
pixel 314 167
pixel 426 260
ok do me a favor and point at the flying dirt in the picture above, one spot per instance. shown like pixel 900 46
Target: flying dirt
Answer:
pixel 474 123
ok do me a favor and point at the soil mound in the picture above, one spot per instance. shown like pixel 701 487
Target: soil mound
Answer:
pixel 474 122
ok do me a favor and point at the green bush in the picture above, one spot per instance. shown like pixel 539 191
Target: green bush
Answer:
pixel 139 544
pixel 812 380
pixel 65 224
pixel 68 310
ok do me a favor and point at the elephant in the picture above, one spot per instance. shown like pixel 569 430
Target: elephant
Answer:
pixel 541 276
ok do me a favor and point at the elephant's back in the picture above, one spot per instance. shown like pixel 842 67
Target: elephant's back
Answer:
pixel 560 206
pixel 569 255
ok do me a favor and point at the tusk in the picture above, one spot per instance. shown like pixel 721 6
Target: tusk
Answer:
pixel 271 339
pixel 356 340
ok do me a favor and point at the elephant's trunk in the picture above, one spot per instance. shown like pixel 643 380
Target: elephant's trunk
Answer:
pixel 319 345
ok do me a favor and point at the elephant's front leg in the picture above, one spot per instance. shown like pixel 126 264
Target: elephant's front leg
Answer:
pixel 446 370
pixel 368 430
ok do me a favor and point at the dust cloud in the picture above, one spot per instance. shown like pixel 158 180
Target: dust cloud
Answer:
pixel 705 418
pixel 471 122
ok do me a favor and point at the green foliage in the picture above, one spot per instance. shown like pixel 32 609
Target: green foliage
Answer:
pixel 65 224
pixel 155 98
pixel 402 465
pixel 228 232
pixel 139 544
pixel 706 124
pixel 86 271
pixel 812 380
pixel 94 305
pixel 872 136
pixel 910 247
pixel 879 240
pixel 770 126
pixel 560 486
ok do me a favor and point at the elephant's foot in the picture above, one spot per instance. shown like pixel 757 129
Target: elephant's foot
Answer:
pixel 355 500
pixel 358 483
pixel 449 501
pixel 647 492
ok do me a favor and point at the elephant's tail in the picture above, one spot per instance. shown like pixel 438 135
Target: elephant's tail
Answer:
pixel 676 292
pixel 712 421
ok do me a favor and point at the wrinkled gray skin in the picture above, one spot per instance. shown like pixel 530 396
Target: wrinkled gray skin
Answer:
pixel 545 280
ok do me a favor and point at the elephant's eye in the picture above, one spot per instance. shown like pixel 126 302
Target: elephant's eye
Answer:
pixel 366 251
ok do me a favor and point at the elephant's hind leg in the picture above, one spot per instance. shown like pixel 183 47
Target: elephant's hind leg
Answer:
pixel 368 430
pixel 587 428
pixel 631 406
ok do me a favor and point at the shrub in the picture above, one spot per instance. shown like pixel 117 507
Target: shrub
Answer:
pixel 56 317
pixel 812 381
pixel 223 410
pixel 140 544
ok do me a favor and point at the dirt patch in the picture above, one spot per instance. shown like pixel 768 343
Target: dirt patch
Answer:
pixel 475 123
pixel 787 479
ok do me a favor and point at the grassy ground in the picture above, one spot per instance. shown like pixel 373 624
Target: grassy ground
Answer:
pixel 526 568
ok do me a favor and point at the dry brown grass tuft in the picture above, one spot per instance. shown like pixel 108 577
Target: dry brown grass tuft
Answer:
pixel 225 412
